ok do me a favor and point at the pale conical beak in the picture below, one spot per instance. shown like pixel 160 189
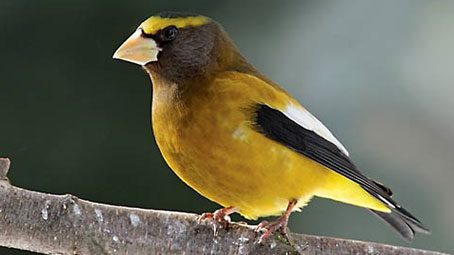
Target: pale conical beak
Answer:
pixel 138 49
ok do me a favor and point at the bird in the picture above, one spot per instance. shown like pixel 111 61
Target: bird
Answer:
pixel 238 138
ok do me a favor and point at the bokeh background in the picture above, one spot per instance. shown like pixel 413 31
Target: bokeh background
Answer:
pixel 378 73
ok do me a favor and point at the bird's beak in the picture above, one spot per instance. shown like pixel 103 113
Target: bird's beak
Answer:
pixel 138 49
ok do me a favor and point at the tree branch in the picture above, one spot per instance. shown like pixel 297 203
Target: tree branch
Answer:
pixel 64 224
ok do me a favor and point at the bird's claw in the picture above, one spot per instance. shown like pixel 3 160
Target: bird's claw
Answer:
pixel 220 216
pixel 272 227
pixel 262 225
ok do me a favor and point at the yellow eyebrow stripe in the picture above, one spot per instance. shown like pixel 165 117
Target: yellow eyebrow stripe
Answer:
pixel 154 24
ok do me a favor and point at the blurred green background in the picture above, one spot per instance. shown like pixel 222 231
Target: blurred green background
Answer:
pixel 378 73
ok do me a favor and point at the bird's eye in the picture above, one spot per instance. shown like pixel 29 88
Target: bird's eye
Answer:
pixel 169 33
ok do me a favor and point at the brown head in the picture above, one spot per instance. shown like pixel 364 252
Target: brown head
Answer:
pixel 179 47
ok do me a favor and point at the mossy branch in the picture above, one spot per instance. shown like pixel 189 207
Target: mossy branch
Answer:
pixel 65 224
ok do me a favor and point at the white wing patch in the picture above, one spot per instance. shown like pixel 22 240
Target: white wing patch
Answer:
pixel 308 121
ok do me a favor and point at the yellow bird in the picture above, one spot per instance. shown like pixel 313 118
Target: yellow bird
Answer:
pixel 236 137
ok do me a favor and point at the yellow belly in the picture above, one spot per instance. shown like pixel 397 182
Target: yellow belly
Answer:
pixel 255 177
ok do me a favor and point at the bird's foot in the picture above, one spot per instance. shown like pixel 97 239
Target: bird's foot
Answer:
pixel 279 225
pixel 221 216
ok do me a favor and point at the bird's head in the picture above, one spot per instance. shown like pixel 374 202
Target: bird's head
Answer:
pixel 178 46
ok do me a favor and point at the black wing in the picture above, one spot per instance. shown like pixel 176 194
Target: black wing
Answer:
pixel 278 127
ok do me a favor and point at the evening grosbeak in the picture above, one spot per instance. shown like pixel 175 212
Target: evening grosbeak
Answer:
pixel 238 138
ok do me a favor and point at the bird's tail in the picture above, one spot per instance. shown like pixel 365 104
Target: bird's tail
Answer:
pixel 405 226
pixel 377 198
pixel 400 219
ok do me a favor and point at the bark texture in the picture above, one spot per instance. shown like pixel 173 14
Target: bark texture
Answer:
pixel 65 224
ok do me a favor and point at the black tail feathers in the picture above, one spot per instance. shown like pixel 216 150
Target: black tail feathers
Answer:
pixel 403 222
pixel 400 219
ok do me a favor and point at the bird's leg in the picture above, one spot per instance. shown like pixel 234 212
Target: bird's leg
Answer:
pixel 221 216
pixel 278 225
